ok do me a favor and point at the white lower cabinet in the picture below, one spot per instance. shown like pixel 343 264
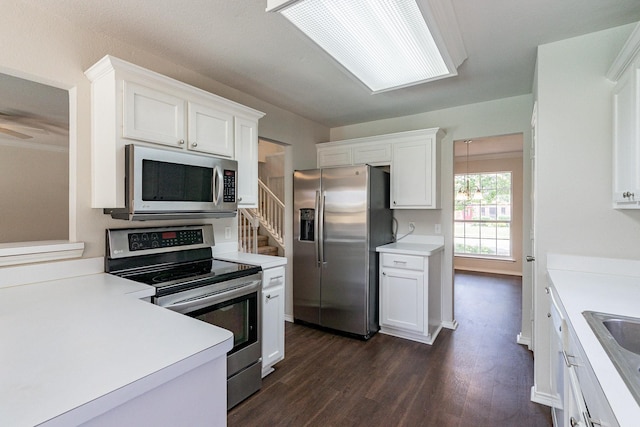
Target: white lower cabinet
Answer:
pixel 581 401
pixel 410 304
pixel 403 294
pixel 273 281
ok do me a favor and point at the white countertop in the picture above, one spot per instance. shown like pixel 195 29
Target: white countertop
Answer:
pixel 607 293
pixel 264 261
pixel 73 348
pixel 414 245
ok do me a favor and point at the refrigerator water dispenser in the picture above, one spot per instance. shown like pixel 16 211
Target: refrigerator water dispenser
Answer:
pixel 307 224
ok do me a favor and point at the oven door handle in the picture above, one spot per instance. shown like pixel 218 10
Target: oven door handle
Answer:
pixel 184 306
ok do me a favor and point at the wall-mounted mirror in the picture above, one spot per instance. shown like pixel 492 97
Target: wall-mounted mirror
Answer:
pixel 34 161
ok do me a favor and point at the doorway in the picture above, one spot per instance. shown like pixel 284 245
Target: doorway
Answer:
pixel 275 170
pixel 488 204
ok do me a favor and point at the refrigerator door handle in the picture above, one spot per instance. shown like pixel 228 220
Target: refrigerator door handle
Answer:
pixel 321 229
pixel 316 228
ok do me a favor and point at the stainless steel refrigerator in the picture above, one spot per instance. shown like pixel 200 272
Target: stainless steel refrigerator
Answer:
pixel 340 216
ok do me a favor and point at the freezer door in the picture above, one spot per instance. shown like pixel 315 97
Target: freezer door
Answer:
pixel 306 270
pixel 344 258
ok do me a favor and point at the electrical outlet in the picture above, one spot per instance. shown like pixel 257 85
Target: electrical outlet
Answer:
pixel 412 225
pixel 227 232
pixel 438 229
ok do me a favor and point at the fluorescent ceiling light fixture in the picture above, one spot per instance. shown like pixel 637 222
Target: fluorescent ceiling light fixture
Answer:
pixel 386 44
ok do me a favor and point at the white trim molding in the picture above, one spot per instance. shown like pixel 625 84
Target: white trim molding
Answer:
pixel 30 252
pixel 626 56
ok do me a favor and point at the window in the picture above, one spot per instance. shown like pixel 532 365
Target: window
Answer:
pixel 482 222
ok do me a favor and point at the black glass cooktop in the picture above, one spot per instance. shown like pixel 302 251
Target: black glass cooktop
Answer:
pixel 190 274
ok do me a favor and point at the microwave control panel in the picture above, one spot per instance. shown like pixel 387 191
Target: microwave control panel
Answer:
pixel 229 186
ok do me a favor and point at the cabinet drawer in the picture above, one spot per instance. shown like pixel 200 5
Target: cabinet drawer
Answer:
pixel 273 277
pixel 409 262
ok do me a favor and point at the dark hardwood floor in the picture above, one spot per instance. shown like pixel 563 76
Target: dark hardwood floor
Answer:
pixel 476 375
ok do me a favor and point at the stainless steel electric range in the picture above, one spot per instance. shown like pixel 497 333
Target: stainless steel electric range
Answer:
pixel 178 261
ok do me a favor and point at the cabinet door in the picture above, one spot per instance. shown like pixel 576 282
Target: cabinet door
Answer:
pixel 626 141
pixel 414 175
pixel 210 130
pixel 402 300
pixel 272 325
pixel 246 152
pixel 372 154
pixel 153 116
pixel 334 156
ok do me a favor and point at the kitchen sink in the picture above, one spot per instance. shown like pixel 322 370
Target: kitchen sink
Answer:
pixel 620 337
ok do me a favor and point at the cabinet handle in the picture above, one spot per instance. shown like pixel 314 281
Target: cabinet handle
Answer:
pixel 384 274
pixel 399 262
pixel 546 290
pixel 628 194
pixel 239 199
pixel 394 202
pixel 548 314
pixel 275 278
pixel 574 422
pixel 181 142
pixel 269 296
pixel 195 144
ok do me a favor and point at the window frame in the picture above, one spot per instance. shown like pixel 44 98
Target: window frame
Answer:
pixel 480 177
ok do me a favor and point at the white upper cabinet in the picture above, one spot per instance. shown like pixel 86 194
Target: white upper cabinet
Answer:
pixel 625 71
pixel 334 156
pixel 133 105
pixel 246 146
pixel 415 174
pixel 414 157
pixel 153 116
pixel 210 131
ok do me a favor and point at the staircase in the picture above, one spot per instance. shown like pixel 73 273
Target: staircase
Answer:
pixel 261 230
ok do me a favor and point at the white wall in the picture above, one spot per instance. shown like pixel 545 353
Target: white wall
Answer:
pixel 34 180
pixel 51 50
pixel 500 117
pixel 573 196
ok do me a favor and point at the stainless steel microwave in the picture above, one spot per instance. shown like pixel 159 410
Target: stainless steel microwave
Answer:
pixel 165 184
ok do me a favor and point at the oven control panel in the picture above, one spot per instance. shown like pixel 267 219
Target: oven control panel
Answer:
pixel 146 241
pixel 163 239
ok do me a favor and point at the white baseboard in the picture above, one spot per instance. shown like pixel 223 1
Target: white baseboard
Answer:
pixel 522 340
pixel 543 398
pixel 452 324
pixel 288 318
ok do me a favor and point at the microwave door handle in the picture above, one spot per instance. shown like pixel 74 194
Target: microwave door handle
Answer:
pixel 216 185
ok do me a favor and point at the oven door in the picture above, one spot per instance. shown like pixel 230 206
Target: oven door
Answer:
pixel 233 305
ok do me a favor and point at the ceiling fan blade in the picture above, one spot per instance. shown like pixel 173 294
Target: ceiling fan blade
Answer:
pixel 14 133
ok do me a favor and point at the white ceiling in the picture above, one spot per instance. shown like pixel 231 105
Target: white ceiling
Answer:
pixel 235 42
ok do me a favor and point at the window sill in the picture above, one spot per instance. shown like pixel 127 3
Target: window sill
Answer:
pixel 30 252
pixel 485 257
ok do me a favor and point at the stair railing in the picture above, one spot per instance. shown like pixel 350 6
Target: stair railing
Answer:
pixel 247 231
pixel 271 212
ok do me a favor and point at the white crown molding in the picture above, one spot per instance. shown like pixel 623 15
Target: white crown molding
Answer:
pixel 627 54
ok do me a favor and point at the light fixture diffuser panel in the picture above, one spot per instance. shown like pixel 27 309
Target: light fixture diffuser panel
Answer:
pixel 385 43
